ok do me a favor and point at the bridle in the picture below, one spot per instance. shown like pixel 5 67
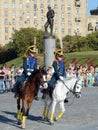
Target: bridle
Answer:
pixel 72 91
pixel 44 81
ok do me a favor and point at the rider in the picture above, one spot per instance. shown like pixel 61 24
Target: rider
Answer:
pixel 29 65
pixel 59 70
pixel 59 67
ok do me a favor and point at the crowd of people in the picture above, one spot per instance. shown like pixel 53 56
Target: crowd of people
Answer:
pixel 9 75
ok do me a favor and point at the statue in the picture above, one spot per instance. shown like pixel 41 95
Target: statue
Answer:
pixel 50 20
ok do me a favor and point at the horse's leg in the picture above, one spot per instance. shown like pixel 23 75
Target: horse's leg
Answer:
pixel 19 114
pixel 52 112
pixel 29 106
pixel 61 112
pixel 46 110
pixel 24 117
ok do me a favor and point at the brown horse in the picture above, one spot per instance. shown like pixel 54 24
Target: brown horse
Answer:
pixel 27 94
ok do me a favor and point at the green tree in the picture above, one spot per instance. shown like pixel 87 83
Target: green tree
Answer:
pixel 24 37
pixel 92 40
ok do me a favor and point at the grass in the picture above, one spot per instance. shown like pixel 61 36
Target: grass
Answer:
pixel 90 57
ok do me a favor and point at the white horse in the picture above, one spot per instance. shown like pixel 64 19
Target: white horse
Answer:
pixel 62 87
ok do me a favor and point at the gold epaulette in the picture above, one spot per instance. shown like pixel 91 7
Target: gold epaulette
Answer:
pixel 24 57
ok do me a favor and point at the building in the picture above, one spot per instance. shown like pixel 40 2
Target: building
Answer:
pixel 70 17
pixel 94 12
pixel 92 21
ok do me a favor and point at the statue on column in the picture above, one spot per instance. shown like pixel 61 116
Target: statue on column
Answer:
pixel 50 20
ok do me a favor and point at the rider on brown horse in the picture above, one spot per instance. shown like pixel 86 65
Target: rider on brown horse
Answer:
pixel 29 65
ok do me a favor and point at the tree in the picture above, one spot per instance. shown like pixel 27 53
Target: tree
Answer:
pixel 24 37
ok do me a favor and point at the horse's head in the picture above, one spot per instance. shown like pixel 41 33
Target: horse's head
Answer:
pixel 43 78
pixel 77 88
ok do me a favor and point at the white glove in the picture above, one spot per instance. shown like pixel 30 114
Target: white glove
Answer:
pixel 61 78
pixel 28 73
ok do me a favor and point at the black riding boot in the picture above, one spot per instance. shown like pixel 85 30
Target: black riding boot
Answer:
pixel 16 89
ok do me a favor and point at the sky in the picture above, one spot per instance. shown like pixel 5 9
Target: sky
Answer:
pixel 92 4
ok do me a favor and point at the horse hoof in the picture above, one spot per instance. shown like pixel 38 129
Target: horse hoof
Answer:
pixel 19 122
pixel 51 122
pixel 23 126
pixel 55 119
pixel 45 119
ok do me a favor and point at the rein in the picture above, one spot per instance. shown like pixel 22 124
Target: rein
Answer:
pixel 73 92
pixel 43 82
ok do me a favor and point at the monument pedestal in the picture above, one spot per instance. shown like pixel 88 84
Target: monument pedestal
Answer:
pixel 49 48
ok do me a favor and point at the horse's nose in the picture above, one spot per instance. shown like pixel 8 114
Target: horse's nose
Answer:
pixel 78 95
pixel 45 85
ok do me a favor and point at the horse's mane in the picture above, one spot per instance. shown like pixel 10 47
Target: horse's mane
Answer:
pixel 69 78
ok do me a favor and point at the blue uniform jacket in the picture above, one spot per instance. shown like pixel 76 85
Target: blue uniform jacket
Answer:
pixel 59 69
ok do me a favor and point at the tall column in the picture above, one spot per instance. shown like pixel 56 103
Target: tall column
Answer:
pixel 49 48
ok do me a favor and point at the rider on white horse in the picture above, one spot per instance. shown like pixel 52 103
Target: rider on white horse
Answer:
pixel 59 70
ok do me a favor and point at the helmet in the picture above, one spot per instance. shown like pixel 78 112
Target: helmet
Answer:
pixel 58 52
pixel 31 49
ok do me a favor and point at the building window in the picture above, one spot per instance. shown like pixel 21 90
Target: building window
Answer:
pixel 35 22
pixel 13 30
pixel 6 38
pixel 5 5
pixel 28 14
pixel 56 22
pixel 28 21
pixel 20 5
pixel 27 0
pixel 62 7
pixel 6 21
pixel 68 0
pixel 48 1
pixel 6 30
pixel 27 5
pixel 69 23
pixel 42 22
pixel 20 14
pixel 68 7
pixel 77 31
pixel 6 13
pixel 69 31
pixel 42 14
pixel 68 15
pixel 55 6
pixel 63 31
pixel 35 6
pixel 42 6
pixel 20 21
pixel 62 15
pixel 35 15
pixel 13 5
pixel 63 23
pixel 13 21
pixel 13 14
pixel 56 30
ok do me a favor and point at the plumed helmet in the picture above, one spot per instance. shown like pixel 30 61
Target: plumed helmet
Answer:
pixel 31 49
pixel 58 52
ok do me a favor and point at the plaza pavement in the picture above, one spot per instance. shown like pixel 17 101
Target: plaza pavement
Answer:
pixel 82 114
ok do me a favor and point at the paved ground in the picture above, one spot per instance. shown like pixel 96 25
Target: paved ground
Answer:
pixel 81 115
